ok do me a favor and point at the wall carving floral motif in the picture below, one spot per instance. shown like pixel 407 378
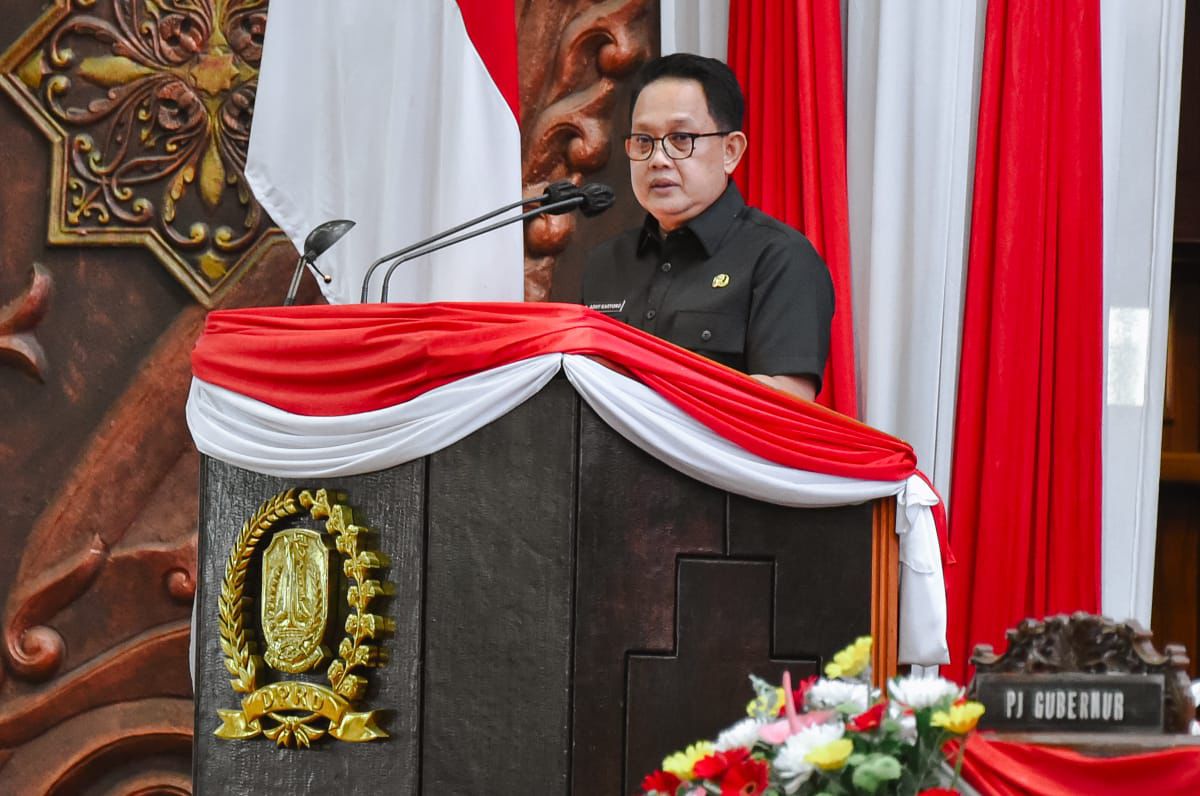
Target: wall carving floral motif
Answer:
pixel 19 318
pixel 148 105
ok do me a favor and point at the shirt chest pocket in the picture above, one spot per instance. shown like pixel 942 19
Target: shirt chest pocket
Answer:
pixel 719 332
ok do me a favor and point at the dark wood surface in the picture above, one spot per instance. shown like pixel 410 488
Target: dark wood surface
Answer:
pixel 498 604
pixel 569 611
pixel 390 502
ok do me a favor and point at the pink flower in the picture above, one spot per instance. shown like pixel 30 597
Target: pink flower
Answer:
pixel 779 731
pixel 939 792
pixel 799 692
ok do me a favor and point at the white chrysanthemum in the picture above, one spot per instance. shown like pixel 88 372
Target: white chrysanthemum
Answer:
pixel 830 694
pixel 743 734
pixel 907 721
pixel 923 692
pixel 908 729
pixel 790 764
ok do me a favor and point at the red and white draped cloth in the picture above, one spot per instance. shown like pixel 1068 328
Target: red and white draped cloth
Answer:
pixel 322 391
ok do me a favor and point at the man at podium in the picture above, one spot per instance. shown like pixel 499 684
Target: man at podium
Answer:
pixel 706 271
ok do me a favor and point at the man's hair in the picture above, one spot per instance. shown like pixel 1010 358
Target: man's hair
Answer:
pixel 721 89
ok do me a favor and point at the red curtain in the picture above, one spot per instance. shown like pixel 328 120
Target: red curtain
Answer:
pixel 1025 491
pixel 788 57
pixel 997 768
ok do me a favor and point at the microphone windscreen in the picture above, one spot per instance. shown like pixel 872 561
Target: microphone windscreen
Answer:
pixel 559 190
pixel 597 198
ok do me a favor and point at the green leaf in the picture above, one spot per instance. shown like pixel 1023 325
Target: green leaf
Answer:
pixel 876 770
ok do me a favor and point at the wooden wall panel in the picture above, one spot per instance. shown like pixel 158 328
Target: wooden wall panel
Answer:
pixel 100 524
pixel 576 60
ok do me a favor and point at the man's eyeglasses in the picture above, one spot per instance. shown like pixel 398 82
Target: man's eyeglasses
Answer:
pixel 677 146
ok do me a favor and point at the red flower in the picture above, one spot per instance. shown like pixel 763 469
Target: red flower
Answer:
pixel 747 778
pixel 715 765
pixel 868 719
pixel 661 782
pixel 939 792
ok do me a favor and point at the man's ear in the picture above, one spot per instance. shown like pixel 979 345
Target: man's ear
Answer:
pixel 735 147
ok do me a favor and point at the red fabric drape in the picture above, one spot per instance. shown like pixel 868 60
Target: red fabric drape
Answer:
pixel 998 768
pixel 1025 492
pixel 788 57
pixel 344 359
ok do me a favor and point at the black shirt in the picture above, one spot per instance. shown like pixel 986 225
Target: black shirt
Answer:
pixel 733 284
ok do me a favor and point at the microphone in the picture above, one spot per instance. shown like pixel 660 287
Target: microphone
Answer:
pixel 321 238
pixel 597 198
pixel 592 200
pixel 555 192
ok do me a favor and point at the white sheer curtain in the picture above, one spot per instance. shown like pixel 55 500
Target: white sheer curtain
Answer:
pixel 912 96
pixel 695 26
pixel 1142 62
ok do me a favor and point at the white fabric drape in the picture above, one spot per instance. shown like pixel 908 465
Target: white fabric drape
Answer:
pixel 912 96
pixel 1142 61
pixel 695 26
pixel 384 113
pixel 256 436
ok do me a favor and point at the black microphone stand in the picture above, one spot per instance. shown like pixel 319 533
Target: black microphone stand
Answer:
pixel 411 253
pixel 552 191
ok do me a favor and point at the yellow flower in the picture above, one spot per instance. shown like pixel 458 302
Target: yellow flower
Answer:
pixel 681 763
pixel 960 719
pixel 764 705
pixel 832 756
pixel 851 661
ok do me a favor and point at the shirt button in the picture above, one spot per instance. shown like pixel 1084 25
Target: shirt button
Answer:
pixel 665 267
pixel 650 314
pixel 706 335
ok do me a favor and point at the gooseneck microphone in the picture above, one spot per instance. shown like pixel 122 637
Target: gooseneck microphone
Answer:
pixel 592 200
pixel 554 194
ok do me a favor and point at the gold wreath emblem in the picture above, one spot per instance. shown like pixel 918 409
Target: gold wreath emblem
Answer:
pixel 294 612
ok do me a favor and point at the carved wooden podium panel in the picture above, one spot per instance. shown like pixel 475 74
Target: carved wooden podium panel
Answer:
pixel 568 609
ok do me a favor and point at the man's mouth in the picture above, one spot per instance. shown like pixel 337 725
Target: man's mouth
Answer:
pixel 658 185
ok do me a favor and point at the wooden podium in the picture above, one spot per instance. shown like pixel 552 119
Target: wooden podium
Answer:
pixel 567 610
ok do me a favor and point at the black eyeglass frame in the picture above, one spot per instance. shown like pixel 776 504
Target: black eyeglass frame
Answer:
pixel 662 141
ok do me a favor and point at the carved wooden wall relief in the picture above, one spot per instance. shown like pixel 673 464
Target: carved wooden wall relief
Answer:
pixel 95 688
pixel 148 107
pixel 18 345
pixel 573 57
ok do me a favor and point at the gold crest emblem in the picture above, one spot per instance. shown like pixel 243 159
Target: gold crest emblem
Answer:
pixel 720 280
pixel 296 595
pixel 295 600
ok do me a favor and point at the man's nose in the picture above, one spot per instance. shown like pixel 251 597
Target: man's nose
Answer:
pixel 659 157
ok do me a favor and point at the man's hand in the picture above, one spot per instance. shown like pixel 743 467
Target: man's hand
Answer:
pixel 799 386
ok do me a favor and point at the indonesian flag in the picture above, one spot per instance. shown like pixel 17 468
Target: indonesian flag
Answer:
pixel 386 384
pixel 402 117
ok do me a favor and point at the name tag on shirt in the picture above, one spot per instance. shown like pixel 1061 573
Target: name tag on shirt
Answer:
pixel 609 307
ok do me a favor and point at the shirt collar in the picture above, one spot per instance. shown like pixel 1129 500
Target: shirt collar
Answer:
pixel 709 227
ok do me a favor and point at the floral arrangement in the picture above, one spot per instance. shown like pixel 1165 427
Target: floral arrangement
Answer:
pixel 830 736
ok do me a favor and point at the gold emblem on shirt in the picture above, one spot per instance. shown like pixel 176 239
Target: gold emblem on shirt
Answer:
pixel 720 280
